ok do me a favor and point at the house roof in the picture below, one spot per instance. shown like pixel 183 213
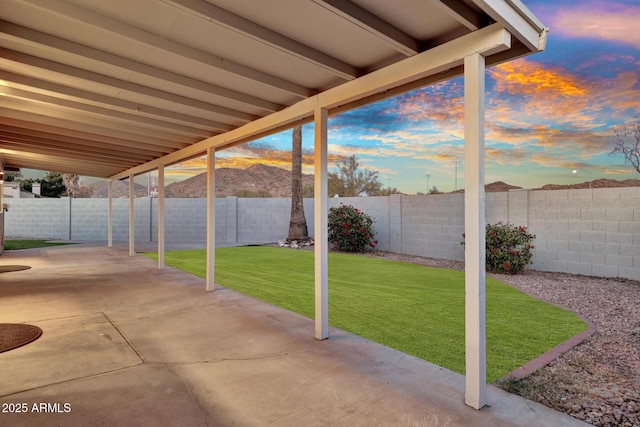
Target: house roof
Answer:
pixel 116 87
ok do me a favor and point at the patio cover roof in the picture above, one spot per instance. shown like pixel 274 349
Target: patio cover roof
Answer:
pixel 114 88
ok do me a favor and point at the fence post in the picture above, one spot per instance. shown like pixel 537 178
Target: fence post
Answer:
pixel 70 220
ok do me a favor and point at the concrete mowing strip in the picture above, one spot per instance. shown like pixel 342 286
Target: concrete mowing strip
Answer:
pixel 545 358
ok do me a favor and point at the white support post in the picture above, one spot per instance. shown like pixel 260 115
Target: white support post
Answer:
pixel 211 218
pixel 320 226
pixel 132 228
pixel 110 214
pixel 474 204
pixel 160 217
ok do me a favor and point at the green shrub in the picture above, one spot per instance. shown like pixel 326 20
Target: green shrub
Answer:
pixel 252 194
pixel 350 229
pixel 508 248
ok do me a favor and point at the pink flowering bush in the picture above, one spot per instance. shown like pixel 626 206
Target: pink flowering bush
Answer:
pixel 350 229
pixel 508 248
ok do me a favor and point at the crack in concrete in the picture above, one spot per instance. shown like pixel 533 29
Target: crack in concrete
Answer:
pixel 239 359
pixel 191 388
pixel 266 356
pixel 70 380
pixel 74 316
pixel 124 337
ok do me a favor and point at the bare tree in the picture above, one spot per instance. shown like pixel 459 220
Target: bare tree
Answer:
pixel 71 183
pixel 297 224
pixel 626 141
pixel 349 181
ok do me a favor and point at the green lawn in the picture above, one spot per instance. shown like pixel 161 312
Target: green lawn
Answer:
pixel 415 309
pixel 12 245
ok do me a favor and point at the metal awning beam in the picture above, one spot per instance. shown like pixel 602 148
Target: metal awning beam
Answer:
pixel 47 162
pixel 38 65
pixel 108 134
pixel 266 36
pixel 39 144
pixel 161 128
pixel 65 47
pixel 119 29
pixel 379 28
pixel 66 153
pixel 90 98
pixel 71 135
pixel 518 21
pixel 461 12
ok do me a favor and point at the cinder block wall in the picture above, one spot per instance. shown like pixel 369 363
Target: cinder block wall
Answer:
pixel 592 232
pixel 45 218
pixel 262 219
pixel 431 226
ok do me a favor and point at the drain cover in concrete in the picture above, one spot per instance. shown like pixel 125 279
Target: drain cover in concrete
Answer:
pixel 14 335
pixel 10 268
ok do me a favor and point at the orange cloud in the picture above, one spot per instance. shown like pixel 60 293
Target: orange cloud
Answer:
pixel 587 142
pixel 507 156
pixel 550 107
pixel 537 94
pixel 528 78
pixel 607 21
pixel 449 156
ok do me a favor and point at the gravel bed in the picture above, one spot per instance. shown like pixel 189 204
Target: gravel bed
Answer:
pixel 597 381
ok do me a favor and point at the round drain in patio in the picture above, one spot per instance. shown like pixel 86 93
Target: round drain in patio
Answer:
pixel 14 335
pixel 10 268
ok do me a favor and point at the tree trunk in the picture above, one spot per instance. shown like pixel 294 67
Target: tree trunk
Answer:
pixel 298 223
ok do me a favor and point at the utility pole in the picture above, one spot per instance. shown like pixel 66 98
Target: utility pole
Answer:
pixel 590 176
pixel 456 181
pixel 428 176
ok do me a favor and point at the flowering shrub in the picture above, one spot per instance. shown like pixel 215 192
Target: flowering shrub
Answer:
pixel 508 248
pixel 350 229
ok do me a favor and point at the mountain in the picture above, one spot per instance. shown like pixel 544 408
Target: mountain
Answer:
pixel 268 181
pixel 494 187
pixel 255 181
pixel 596 183
pixel 499 186
pixel 119 188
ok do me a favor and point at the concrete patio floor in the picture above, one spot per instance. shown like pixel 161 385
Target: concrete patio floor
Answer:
pixel 126 344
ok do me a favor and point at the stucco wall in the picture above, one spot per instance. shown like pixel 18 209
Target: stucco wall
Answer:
pixel 592 232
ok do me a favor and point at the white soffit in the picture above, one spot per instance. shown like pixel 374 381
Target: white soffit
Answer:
pixel 109 88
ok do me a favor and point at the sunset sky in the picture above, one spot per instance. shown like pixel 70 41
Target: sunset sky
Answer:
pixel 547 114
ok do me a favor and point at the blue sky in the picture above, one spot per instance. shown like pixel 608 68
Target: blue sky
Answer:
pixel 547 114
